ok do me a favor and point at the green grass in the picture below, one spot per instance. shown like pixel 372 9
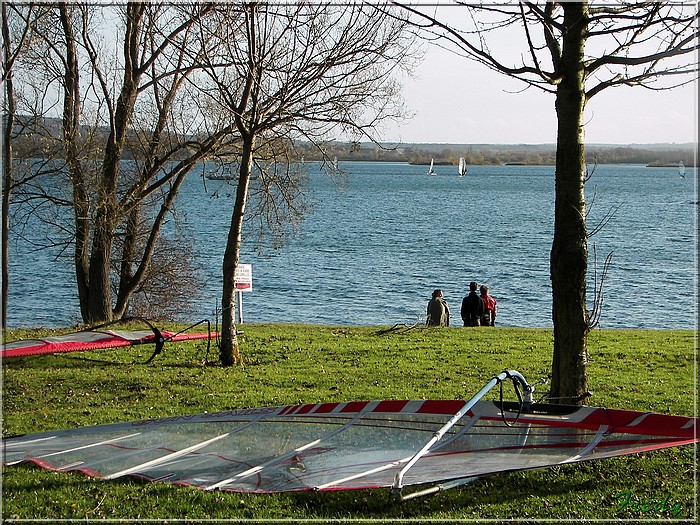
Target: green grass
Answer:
pixel 289 364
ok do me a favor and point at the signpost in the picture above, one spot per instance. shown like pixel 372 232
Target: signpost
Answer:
pixel 244 283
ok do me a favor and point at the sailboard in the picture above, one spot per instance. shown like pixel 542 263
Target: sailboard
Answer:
pixel 462 168
pixel 423 445
pixel 431 171
pixel 97 339
pixel 681 169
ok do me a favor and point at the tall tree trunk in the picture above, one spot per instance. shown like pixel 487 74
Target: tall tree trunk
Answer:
pixel 99 306
pixel 92 268
pixel 126 273
pixel 70 123
pixel 569 255
pixel 229 352
pixel 8 177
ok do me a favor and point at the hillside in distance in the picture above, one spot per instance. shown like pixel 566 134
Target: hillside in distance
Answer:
pixel 37 137
pixel 499 154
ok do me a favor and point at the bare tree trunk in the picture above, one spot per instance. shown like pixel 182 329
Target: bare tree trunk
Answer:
pixel 71 113
pixel 92 270
pixel 99 306
pixel 7 165
pixel 126 273
pixel 569 255
pixel 6 191
pixel 229 352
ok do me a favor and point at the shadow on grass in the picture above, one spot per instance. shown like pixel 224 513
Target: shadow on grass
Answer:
pixel 65 361
pixel 520 492
pixel 566 492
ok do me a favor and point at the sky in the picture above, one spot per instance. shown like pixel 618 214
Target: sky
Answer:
pixel 455 100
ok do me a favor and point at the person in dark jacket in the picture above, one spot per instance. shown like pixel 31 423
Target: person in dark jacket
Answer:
pixel 438 311
pixel 472 307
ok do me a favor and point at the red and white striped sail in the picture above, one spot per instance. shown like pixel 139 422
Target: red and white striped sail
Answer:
pixel 355 445
pixel 91 340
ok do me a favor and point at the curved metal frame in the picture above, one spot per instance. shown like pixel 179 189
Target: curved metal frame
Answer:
pixel 397 487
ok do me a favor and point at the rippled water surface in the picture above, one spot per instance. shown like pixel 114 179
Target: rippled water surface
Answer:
pixel 376 245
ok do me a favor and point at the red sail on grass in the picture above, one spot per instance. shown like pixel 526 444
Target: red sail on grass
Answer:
pixel 92 340
pixel 354 445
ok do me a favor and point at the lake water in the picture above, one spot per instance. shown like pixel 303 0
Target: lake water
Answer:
pixel 375 246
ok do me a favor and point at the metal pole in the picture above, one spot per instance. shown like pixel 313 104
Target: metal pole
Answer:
pixel 398 480
pixel 240 307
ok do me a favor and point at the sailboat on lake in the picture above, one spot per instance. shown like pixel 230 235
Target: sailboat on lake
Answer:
pixel 462 169
pixel 431 171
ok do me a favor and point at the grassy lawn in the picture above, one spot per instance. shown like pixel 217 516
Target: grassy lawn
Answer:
pixel 290 364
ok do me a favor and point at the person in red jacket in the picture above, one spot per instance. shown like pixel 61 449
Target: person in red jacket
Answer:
pixel 489 316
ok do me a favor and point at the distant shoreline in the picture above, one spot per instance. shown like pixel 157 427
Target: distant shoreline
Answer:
pixel 652 155
pixel 449 163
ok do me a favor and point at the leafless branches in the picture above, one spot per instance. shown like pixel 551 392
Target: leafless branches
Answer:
pixel 287 72
pixel 647 44
pixel 598 286
pixel 115 78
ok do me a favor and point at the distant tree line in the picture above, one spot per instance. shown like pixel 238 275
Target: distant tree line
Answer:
pixel 31 144
pixel 485 154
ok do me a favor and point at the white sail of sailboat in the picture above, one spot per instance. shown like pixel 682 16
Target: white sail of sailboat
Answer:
pixel 430 170
pixel 681 169
pixel 462 170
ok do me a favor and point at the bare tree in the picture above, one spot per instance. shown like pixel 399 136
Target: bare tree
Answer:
pixel 131 130
pixel 574 51
pixel 15 29
pixel 298 71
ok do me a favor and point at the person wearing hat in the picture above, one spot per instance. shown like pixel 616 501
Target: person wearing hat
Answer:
pixel 438 311
pixel 472 307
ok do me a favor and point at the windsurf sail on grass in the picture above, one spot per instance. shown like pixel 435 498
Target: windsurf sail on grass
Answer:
pixel 423 446
pixel 95 339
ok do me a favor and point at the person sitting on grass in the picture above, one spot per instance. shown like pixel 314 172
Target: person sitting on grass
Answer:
pixel 438 311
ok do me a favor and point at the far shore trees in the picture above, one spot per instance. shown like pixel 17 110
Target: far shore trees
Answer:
pixel 573 51
pixel 298 72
